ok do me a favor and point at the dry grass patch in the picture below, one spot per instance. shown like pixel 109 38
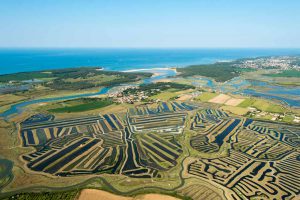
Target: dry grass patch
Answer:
pixel 185 97
pixel 234 102
pixel 226 100
pixel 155 196
pixel 220 99
pixel 6 99
pixel 206 96
pixel 235 110
pixel 93 194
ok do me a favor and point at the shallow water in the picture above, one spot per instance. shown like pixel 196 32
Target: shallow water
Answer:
pixel 238 85
pixel 289 101
pixel 277 90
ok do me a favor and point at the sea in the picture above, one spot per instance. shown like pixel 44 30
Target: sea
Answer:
pixel 35 59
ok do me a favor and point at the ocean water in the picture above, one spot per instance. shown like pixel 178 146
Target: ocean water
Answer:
pixel 20 60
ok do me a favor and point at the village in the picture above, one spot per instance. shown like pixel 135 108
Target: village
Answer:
pixel 282 63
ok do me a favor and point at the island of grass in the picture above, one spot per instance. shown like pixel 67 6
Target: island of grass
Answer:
pixel 288 83
pixel 80 105
pixel 286 73
pixel 220 71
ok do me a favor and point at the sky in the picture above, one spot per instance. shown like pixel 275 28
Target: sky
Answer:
pixel 150 23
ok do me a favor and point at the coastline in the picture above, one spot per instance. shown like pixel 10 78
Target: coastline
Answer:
pixel 159 74
pixel 152 69
pixel 25 60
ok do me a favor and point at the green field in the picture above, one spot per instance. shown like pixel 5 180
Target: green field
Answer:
pixel 262 105
pixel 166 95
pixel 81 105
pixel 206 96
pixel 235 110
pixel 288 118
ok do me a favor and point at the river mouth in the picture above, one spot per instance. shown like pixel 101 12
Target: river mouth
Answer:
pixel 158 74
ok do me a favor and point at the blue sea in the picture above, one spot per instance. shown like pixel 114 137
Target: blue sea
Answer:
pixel 21 60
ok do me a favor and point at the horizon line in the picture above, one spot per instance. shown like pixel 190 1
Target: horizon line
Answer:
pixel 34 47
